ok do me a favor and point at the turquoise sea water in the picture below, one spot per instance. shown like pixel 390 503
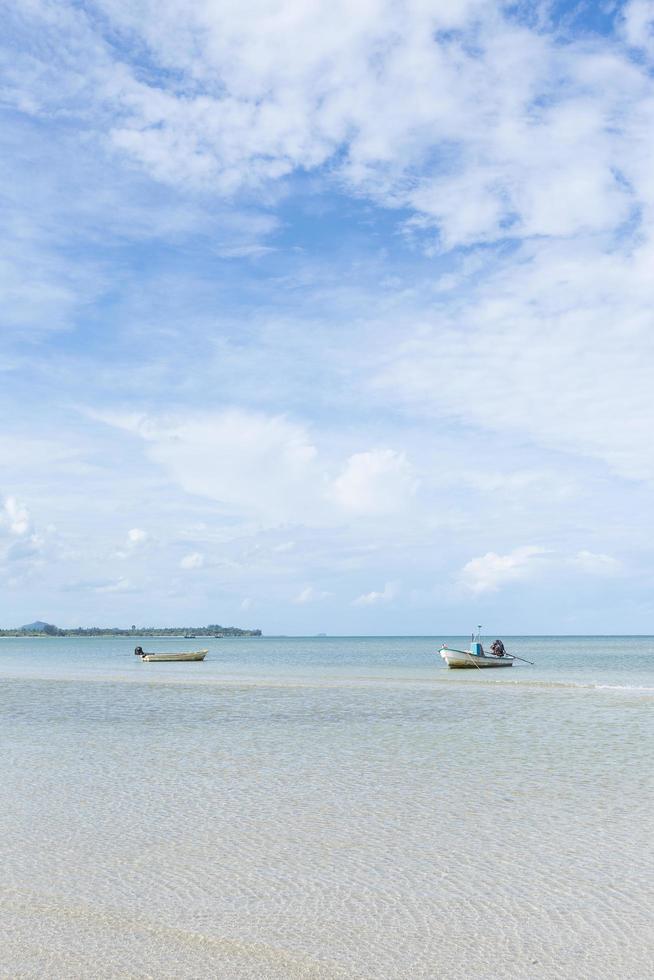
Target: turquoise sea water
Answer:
pixel 326 807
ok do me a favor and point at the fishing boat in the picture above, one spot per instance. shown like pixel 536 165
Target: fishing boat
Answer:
pixel 168 658
pixel 476 657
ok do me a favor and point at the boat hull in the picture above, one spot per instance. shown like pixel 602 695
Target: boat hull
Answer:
pixel 462 659
pixel 168 658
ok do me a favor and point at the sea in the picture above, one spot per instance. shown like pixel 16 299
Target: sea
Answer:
pixel 326 807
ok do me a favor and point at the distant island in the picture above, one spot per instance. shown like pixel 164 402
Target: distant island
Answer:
pixel 40 628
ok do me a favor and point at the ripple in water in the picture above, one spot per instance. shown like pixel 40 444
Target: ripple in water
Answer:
pixel 364 832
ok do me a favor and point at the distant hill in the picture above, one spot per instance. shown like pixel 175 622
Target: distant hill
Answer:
pixel 39 627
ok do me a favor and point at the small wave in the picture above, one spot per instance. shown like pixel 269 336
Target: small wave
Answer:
pixel 567 685
pixel 624 687
pixel 440 679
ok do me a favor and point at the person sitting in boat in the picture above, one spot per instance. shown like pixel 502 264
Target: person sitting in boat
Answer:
pixel 497 648
pixel 138 652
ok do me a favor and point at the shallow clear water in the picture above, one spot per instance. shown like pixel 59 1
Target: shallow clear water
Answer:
pixel 326 808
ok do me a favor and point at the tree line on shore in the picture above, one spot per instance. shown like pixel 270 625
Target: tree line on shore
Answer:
pixel 48 629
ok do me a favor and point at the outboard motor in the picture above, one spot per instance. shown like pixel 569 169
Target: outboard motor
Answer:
pixel 138 652
pixel 498 648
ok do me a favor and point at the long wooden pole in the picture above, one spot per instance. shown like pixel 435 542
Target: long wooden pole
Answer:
pixel 513 657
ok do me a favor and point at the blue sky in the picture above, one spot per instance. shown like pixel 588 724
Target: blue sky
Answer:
pixel 328 317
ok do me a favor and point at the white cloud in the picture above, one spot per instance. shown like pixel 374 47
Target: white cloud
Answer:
pixel 136 540
pixel 593 563
pixel 268 466
pixel 391 591
pixel 137 536
pixel 638 24
pixel 119 585
pixel 29 548
pixel 555 348
pixel 15 517
pixel 248 461
pixel 374 483
pixel 192 561
pixel 491 571
pixel 100 587
pixel 309 594
pixel 459 112
pixel 25 544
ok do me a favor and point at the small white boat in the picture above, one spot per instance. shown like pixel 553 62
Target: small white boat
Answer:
pixel 475 657
pixel 156 658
